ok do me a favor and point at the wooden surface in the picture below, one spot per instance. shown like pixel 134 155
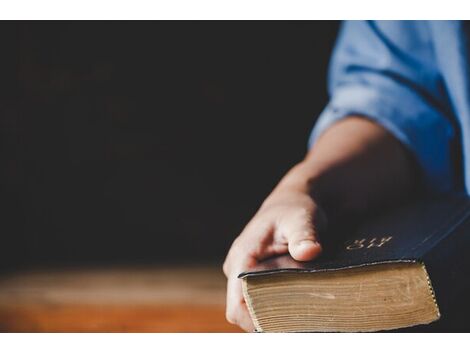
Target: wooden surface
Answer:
pixel 115 300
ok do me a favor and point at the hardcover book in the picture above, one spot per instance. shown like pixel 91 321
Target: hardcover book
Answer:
pixel 404 268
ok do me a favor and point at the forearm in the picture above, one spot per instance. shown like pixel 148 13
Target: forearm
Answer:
pixel 354 167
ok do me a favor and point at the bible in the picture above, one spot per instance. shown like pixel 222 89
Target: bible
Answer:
pixel 404 268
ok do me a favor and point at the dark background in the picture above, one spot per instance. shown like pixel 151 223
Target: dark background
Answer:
pixel 148 142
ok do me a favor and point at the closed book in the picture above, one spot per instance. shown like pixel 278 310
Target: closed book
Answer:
pixel 406 267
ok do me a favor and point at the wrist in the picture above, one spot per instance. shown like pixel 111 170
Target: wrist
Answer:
pixel 301 178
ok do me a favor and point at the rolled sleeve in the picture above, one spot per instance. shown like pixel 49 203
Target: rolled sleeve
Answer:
pixel 381 95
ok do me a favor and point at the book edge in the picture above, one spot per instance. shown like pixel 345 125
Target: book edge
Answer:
pixel 249 305
pixel 431 291
pixel 422 266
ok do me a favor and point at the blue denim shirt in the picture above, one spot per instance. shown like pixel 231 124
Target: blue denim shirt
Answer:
pixel 412 77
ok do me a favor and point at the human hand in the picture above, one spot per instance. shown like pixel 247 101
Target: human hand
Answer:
pixel 289 221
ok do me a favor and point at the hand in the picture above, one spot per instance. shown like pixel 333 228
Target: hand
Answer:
pixel 288 221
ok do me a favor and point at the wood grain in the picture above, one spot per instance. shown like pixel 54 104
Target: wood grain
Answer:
pixel 115 300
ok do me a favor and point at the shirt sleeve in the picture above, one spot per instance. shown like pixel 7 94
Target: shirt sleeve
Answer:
pixel 388 75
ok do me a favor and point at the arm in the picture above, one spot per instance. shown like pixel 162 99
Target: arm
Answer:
pixel 354 166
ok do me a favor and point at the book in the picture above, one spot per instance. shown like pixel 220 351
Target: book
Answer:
pixel 404 268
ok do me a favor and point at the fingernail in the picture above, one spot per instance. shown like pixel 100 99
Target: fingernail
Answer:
pixel 305 243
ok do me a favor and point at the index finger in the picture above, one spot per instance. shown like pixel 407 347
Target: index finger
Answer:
pixel 237 311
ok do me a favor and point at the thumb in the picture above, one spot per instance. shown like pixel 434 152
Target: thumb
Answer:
pixel 303 246
pixel 302 240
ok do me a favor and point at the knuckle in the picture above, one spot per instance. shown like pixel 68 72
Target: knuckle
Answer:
pixel 303 234
pixel 304 214
pixel 225 267
pixel 236 242
pixel 308 233
pixel 296 218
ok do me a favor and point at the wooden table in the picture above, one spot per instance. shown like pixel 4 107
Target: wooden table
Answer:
pixel 114 300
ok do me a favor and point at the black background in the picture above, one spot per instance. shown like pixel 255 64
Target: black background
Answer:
pixel 149 142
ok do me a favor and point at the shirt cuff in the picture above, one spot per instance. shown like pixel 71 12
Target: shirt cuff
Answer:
pixel 417 125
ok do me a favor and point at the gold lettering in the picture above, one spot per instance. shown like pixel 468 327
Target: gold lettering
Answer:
pixel 364 243
pixel 358 244
pixel 383 240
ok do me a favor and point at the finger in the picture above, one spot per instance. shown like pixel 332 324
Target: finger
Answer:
pixel 247 253
pixel 236 310
pixel 303 248
pixel 254 243
pixel 302 238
